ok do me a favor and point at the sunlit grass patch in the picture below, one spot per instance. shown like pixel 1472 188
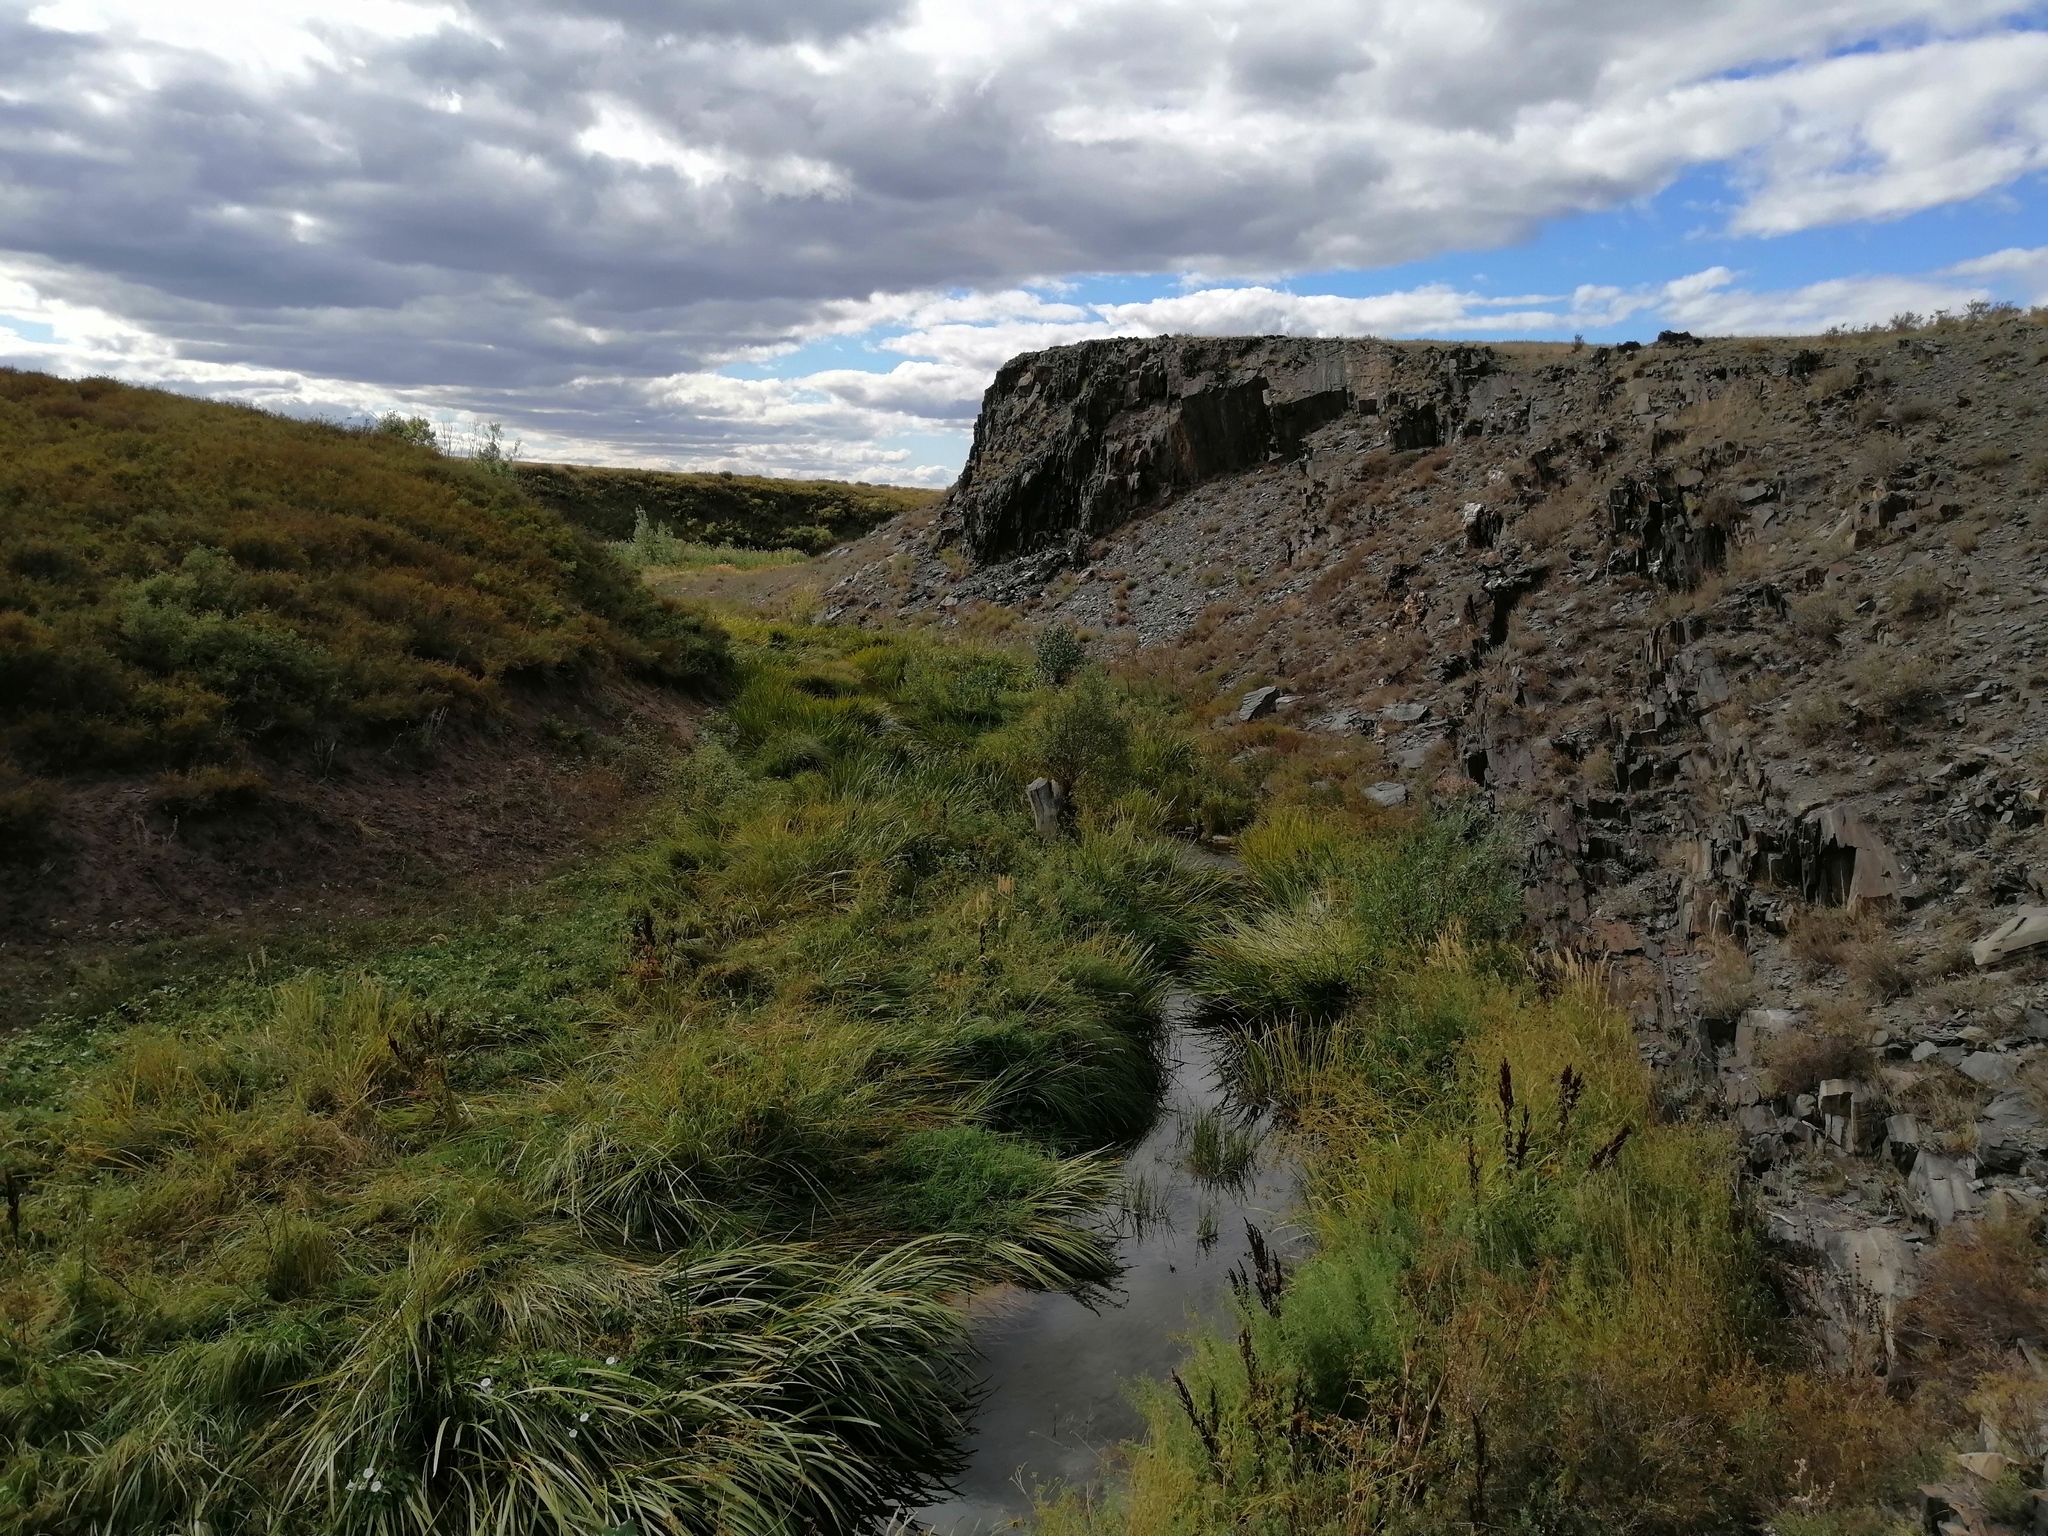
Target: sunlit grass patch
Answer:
pixel 182 581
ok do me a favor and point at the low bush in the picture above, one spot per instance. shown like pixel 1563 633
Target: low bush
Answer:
pixel 1981 1292
pixel 1919 594
pixel 1059 654
pixel 1881 966
pixel 1804 1056
pixel 1820 938
pixel 1727 981
pixel 1819 617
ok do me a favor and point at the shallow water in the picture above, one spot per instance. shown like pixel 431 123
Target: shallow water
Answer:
pixel 1055 1372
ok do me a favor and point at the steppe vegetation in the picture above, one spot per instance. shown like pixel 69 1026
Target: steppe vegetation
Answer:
pixel 654 546
pixel 745 511
pixel 182 580
pixel 643 1201
pixel 638 1203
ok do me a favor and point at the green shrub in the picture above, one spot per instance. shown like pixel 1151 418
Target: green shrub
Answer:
pixel 416 430
pixel 1059 654
pixel 1085 741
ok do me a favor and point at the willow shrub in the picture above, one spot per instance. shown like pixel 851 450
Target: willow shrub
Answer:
pixel 1532 1306
pixel 643 1208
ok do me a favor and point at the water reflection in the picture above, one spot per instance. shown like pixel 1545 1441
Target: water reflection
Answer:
pixel 1055 1372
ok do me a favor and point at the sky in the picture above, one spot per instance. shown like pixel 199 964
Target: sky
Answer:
pixel 798 237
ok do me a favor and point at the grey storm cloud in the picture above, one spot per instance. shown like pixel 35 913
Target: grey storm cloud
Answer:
pixel 550 209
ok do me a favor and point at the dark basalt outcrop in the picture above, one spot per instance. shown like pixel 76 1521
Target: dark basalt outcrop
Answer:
pixel 1073 442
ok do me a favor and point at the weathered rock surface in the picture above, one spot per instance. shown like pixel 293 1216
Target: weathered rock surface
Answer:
pixel 1747 633
pixel 1073 442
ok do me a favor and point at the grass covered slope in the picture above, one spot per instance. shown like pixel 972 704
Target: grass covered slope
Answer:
pixel 638 1204
pixel 180 580
pixel 746 511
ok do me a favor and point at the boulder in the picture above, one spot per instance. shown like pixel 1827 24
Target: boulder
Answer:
pixel 1987 1067
pixel 1257 703
pixel 1845 1119
pixel 1849 864
pixel 1414 756
pixel 1756 1026
pixel 2008 1131
pixel 1387 794
pixel 1903 1139
pixel 1938 1188
pixel 2025 929
pixel 1048 802
pixel 1879 1259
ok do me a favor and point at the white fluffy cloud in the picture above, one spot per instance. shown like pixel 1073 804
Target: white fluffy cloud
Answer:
pixel 569 214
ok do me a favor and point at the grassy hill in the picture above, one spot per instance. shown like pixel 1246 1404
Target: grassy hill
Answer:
pixel 182 581
pixel 750 511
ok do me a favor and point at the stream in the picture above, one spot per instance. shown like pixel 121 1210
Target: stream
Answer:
pixel 1055 1374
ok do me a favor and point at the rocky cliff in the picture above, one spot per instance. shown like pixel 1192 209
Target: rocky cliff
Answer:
pixel 1746 635
pixel 1072 443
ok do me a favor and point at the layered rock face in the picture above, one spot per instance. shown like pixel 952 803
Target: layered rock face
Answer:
pixel 1745 635
pixel 1073 442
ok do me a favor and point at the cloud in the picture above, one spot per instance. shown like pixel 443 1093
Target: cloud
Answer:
pixel 548 210
pixel 1722 308
pixel 2023 270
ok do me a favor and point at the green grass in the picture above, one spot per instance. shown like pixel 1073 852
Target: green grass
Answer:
pixel 640 1200
pixel 1217 1150
pixel 1516 1317
pixel 745 511
pixel 655 547
pixel 182 581
pixel 643 1201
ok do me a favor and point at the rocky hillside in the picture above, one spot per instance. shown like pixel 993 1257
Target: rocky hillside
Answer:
pixel 1746 633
